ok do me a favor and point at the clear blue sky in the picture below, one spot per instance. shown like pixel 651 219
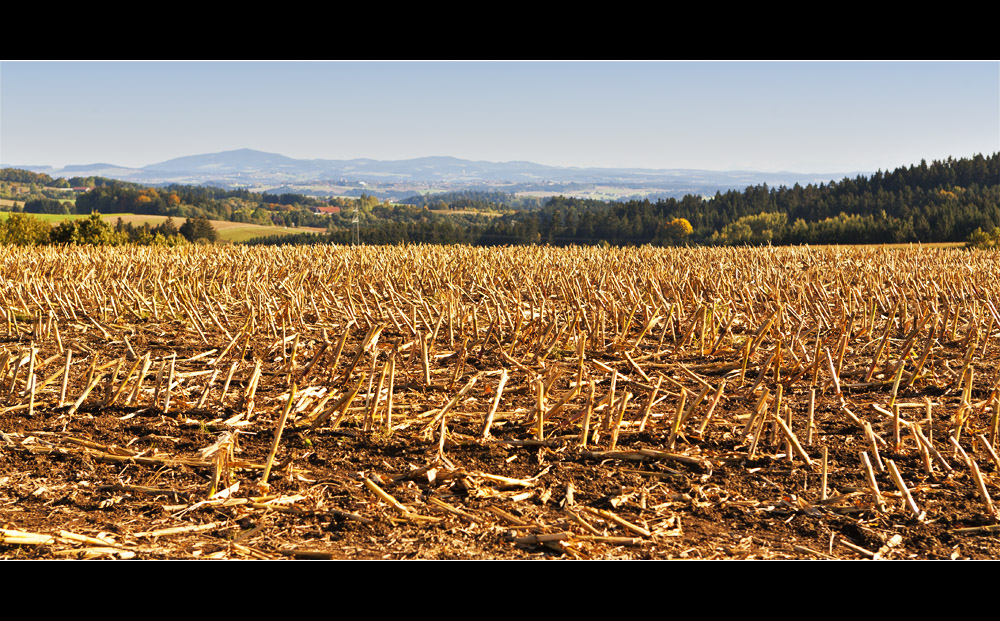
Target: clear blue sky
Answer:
pixel 797 116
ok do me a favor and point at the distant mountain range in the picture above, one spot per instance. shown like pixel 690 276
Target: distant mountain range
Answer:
pixel 244 167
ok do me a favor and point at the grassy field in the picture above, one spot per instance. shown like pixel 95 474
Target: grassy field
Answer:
pixel 466 212
pixel 229 232
pixel 55 218
pixel 239 232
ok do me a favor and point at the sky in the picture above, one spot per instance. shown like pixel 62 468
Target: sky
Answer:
pixel 808 117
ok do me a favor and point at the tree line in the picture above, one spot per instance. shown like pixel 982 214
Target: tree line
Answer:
pixel 474 200
pixel 178 201
pixel 944 201
pixel 22 229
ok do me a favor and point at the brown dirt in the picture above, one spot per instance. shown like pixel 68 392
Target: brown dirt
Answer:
pixel 111 480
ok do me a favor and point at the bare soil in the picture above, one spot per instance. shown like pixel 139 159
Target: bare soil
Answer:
pixel 113 478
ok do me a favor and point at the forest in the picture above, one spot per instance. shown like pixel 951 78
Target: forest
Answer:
pixel 43 194
pixel 945 201
pixel 954 200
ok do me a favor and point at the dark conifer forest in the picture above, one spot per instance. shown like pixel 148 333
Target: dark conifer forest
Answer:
pixel 944 201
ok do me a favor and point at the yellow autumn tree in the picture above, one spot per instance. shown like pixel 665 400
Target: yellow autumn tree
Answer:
pixel 680 227
pixel 147 196
pixel 676 231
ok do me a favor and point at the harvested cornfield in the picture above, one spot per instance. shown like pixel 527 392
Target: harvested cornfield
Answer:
pixel 531 402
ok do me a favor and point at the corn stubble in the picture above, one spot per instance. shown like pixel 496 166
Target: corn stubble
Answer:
pixel 866 378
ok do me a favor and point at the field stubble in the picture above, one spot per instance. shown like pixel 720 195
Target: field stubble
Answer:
pixel 453 402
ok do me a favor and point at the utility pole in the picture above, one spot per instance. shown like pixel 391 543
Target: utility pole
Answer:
pixel 357 233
